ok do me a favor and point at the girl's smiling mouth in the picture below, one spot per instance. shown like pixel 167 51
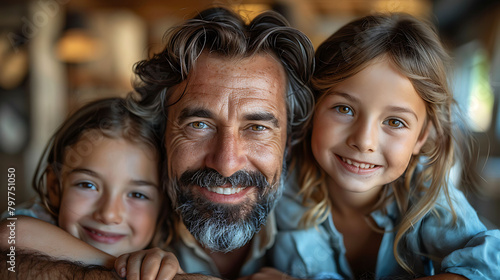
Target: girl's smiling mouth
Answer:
pixel 357 167
pixel 103 236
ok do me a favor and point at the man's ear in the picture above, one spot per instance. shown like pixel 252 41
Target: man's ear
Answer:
pixel 422 138
pixel 53 189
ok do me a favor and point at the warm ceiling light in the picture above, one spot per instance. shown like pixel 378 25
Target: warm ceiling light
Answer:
pixel 76 46
pixel 414 7
pixel 250 11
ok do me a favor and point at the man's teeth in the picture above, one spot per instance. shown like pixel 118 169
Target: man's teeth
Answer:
pixel 357 164
pixel 226 191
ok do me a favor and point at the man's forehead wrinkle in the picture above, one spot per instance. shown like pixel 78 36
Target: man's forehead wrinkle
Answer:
pixel 241 83
pixel 261 75
pixel 233 103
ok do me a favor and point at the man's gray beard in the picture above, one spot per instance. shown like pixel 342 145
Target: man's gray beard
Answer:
pixel 221 227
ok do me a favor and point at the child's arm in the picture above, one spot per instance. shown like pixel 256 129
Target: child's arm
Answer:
pixel 34 234
pixel 148 264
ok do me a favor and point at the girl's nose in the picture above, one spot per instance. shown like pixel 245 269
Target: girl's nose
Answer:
pixel 110 210
pixel 364 136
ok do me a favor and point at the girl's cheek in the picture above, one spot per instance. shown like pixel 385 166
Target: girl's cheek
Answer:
pixel 144 221
pixel 75 203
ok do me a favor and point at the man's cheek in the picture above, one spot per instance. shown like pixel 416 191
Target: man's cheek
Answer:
pixel 269 157
pixel 179 153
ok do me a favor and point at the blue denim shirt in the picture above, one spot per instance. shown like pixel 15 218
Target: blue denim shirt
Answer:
pixel 466 247
pixel 31 208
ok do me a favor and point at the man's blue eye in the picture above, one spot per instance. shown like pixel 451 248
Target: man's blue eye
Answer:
pixel 198 125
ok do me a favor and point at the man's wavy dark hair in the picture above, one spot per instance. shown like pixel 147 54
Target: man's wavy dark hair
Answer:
pixel 219 30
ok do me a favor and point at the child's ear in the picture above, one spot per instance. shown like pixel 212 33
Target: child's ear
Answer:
pixel 422 138
pixel 53 189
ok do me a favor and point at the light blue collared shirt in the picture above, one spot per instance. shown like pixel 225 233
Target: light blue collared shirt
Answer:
pixel 32 208
pixel 466 247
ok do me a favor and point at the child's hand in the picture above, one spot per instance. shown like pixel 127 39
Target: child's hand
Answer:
pixel 148 265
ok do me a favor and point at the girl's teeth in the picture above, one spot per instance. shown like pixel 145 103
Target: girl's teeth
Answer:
pixel 225 191
pixel 96 233
pixel 357 164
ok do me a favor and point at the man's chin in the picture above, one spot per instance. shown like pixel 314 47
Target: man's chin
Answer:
pixel 221 224
pixel 222 227
pixel 224 239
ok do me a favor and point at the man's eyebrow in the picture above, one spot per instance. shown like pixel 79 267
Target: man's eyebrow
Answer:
pixel 262 116
pixel 194 112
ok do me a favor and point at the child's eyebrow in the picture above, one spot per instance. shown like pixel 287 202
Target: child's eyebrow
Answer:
pixel 138 182
pixel 399 109
pixel 344 95
pixel 143 183
pixel 84 170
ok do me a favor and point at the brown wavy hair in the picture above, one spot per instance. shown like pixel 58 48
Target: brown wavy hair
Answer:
pixel 413 46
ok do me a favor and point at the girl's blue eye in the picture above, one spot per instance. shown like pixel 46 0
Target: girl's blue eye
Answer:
pixel 346 110
pixel 198 125
pixel 137 195
pixel 87 185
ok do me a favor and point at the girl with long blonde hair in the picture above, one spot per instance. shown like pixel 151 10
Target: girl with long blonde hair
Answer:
pixel 370 196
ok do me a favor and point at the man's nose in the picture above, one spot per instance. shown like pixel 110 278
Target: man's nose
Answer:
pixel 110 209
pixel 227 153
pixel 364 136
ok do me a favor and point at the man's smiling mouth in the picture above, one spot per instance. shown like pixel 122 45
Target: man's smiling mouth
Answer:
pixel 225 191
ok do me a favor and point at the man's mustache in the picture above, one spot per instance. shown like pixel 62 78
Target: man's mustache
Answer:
pixel 208 177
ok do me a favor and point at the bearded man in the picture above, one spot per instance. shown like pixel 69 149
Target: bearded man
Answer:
pixel 235 97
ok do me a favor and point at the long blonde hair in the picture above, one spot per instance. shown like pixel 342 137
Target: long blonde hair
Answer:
pixel 414 48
